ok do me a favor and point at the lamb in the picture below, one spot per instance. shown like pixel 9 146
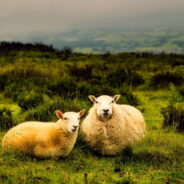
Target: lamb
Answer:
pixel 110 127
pixel 45 139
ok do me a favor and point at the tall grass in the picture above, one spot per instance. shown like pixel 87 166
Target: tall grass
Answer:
pixel 174 112
pixel 46 110
pixel 6 119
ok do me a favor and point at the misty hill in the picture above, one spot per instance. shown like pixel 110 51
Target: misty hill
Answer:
pixel 158 39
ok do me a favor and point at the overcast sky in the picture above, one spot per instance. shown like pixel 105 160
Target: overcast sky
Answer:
pixel 25 16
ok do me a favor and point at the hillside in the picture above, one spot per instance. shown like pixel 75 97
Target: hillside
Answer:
pixel 128 39
pixel 36 79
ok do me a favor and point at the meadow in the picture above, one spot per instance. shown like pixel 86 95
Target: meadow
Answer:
pixel 36 79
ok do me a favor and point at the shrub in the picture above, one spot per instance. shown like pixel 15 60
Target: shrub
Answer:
pixel 65 53
pixel 25 70
pixel 30 100
pixel 82 72
pixel 6 119
pixel 135 79
pixel 180 69
pixel 3 82
pixel 116 78
pixel 15 88
pixel 85 89
pixel 177 63
pixel 181 91
pixel 64 87
pixel 46 110
pixel 163 79
pixel 173 116
pixel 128 76
pixel 127 97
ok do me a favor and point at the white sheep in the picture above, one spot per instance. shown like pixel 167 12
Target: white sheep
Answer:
pixel 45 139
pixel 109 127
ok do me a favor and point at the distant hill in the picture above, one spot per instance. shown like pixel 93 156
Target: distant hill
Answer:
pixel 161 38
pixel 158 39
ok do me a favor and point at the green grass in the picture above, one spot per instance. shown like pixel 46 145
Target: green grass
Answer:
pixel 158 159
pixel 64 80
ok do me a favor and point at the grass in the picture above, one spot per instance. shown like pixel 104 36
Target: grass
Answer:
pixel 158 159
pixel 64 79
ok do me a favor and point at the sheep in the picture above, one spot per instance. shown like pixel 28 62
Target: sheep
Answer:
pixel 109 127
pixel 45 139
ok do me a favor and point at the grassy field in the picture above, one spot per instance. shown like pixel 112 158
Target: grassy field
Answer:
pixel 45 78
pixel 158 159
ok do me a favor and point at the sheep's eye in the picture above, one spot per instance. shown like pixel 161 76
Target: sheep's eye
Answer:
pixel 112 101
pixel 97 102
pixel 65 118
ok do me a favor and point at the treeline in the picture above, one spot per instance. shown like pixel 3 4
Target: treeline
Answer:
pixel 7 47
pixel 18 46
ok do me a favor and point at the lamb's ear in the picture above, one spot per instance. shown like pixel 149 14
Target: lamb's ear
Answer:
pixel 59 114
pixel 92 98
pixel 116 98
pixel 81 113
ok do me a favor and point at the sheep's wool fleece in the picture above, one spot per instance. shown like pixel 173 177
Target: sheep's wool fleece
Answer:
pixel 125 127
pixel 42 139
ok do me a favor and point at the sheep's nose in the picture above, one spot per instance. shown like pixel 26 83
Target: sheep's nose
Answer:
pixel 106 110
pixel 75 126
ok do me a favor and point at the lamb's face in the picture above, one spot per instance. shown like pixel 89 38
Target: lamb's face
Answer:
pixel 70 120
pixel 104 105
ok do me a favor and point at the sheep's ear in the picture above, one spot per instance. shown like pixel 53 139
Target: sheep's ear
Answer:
pixel 92 98
pixel 59 114
pixel 116 98
pixel 81 113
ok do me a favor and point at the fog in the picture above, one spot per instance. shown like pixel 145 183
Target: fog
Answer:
pixel 21 17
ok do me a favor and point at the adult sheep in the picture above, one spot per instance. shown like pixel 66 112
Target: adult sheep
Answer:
pixel 45 139
pixel 109 127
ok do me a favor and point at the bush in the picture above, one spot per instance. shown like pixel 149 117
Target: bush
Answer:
pixel 163 79
pixel 46 110
pixel 66 88
pixel 127 97
pixel 65 53
pixel 3 82
pixel 84 73
pixel 173 116
pixel 128 76
pixel 6 119
pixel 28 101
pixel 26 70
pixel 135 79
pixel 181 91
pixel 15 88
pixel 85 89
pixel 116 78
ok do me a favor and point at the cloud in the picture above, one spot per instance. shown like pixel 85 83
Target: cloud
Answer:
pixel 20 17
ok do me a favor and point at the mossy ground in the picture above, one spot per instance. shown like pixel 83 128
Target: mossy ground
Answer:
pixel 158 159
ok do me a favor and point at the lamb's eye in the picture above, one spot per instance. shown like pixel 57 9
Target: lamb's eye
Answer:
pixel 112 101
pixel 65 118
pixel 97 102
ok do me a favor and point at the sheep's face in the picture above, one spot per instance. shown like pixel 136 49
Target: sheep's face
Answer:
pixel 104 105
pixel 70 120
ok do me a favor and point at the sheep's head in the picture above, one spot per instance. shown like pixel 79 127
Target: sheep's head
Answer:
pixel 70 120
pixel 104 105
